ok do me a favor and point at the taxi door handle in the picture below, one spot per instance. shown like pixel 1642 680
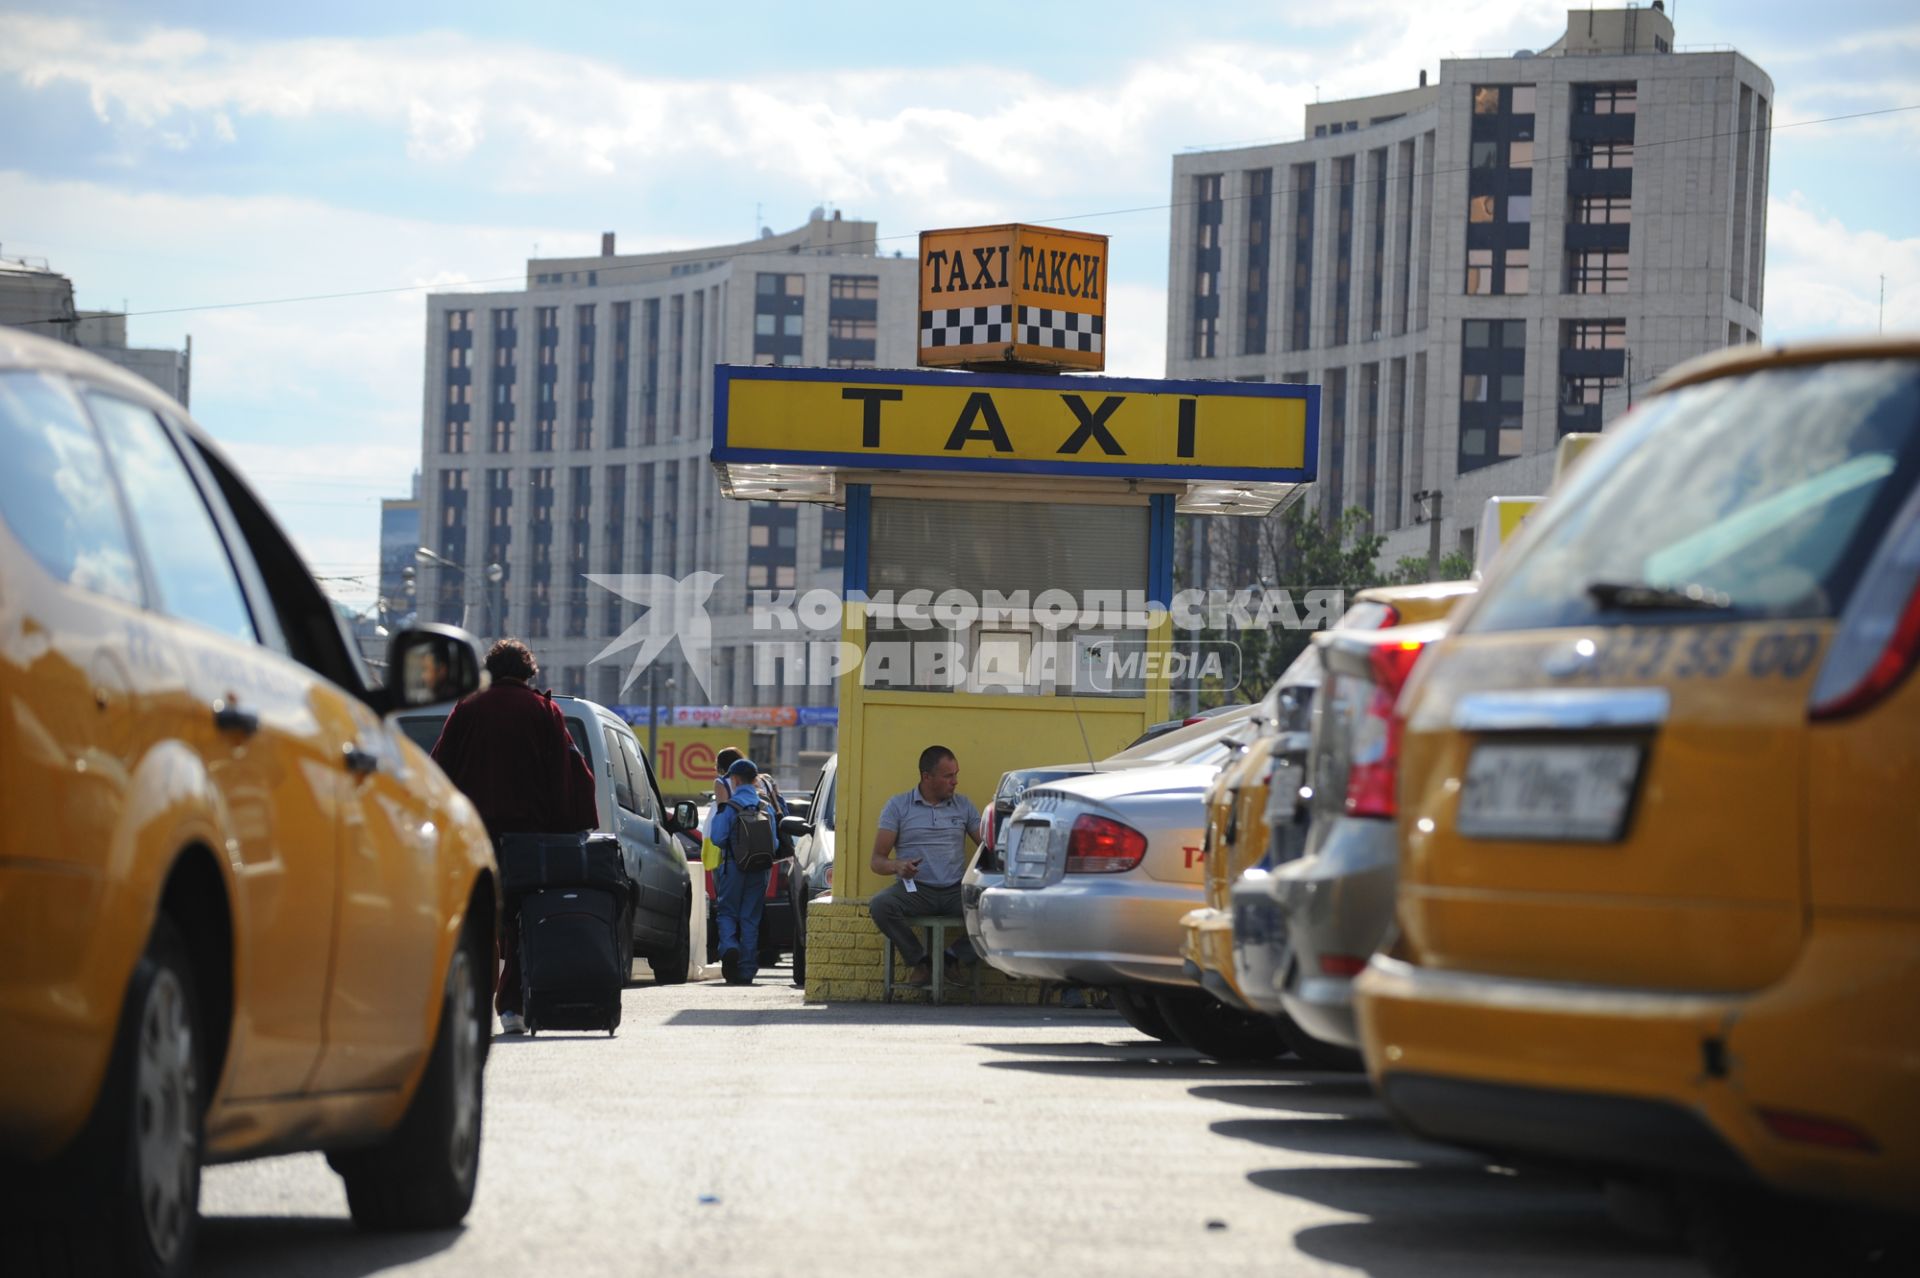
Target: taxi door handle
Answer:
pixel 228 717
pixel 359 762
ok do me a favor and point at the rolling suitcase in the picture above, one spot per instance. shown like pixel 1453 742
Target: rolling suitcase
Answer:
pixel 570 969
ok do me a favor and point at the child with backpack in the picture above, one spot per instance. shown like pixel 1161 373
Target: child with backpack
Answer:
pixel 744 828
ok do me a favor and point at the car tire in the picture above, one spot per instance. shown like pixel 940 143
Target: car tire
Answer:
pixel 670 966
pixel 797 894
pixel 423 1175
pixel 1317 1054
pixel 1213 1029
pixel 1139 1009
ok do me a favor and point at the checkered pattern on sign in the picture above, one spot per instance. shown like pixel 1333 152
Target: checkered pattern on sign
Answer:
pixel 966 326
pixel 1062 330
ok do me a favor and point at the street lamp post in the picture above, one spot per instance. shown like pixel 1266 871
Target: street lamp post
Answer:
pixel 653 711
pixel 494 575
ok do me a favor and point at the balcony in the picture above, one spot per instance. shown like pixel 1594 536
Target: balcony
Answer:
pixel 1601 128
pixel 1608 236
pixel 1599 182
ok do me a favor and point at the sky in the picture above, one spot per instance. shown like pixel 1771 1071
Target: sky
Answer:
pixel 205 165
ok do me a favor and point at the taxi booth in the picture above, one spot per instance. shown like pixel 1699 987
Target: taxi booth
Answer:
pixel 1009 539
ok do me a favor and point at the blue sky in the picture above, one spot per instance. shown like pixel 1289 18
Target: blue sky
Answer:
pixel 192 155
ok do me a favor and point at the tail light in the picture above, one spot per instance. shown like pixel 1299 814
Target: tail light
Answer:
pixel 1099 846
pixel 1348 965
pixel 987 821
pixel 1375 767
pixel 1878 639
pixel 1809 1129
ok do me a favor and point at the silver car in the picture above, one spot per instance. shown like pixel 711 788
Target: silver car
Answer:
pixel 1306 927
pixel 1208 740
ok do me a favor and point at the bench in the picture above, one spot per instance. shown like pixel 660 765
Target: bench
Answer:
pixel 937 926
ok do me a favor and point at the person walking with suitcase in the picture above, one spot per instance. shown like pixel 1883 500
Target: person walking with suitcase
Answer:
pixel 509 751
pixel 743 829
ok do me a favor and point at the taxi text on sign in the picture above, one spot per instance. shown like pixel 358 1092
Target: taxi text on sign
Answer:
pixel 1013 294
pixel 997 423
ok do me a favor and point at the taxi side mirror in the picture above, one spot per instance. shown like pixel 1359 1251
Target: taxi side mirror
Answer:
pixel 430 665
pixel 795 826
pixel 684 819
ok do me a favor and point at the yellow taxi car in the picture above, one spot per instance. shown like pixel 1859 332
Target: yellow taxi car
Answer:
pixel 1658 907
pixel 1244 805
pixel 239 913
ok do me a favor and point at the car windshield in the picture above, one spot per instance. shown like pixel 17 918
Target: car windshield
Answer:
pixel 1744 497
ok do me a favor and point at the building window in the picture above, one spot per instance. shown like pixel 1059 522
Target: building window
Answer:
pixel 1210 213
pixel 1343 175
pixel 1513 276
pixel 779 317
pixel 1486 99
pixel 1300 277
pixel 1605 99
pixel 854 288
pixel 1597 271
pixel 1480 271
pixel 833 538
pixel 1253 336
pixel 1493 366
pixel 1602 155
pixel 1596 335
pixel 1603 210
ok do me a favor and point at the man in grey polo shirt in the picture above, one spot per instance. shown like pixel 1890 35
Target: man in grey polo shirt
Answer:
pixel 923 840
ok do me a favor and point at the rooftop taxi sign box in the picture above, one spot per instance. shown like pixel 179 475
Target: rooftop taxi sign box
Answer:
pixel 1011 296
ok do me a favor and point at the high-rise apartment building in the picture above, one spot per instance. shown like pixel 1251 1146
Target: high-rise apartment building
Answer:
pixel 1473 268
pixel 566 431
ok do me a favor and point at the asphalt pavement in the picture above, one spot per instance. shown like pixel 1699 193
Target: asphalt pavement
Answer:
pixel 740 1131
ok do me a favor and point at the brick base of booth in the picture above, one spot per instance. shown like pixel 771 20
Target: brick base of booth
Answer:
pixel 843 965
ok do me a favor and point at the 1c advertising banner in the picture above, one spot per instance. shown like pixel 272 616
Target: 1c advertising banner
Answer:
pixel 689 757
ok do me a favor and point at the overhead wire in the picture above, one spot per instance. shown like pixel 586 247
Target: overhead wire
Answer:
pixel 753 249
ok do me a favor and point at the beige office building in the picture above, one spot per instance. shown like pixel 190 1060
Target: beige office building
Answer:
pixel 1472 268
pixel 566 429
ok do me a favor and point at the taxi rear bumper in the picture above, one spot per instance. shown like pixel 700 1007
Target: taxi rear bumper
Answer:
pixel 1811 1085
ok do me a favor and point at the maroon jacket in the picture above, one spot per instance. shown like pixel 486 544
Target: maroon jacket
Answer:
pixel 508 749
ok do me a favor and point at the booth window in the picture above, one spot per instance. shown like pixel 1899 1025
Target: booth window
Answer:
pixel 1007 548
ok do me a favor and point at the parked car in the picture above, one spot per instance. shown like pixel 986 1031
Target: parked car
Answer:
pixel 627 794
pixel 1255 817
pixel 1657 908
pixel 243 914
pixel 1207 739
pixel 811 874
pixel 1098 871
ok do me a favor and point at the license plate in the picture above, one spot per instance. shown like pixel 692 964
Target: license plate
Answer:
pixel 1033 842
pixel 1574 793
pixel 1283 794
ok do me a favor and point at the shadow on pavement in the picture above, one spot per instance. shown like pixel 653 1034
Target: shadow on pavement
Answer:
pixel 1462 1219
pixel 1354 1136
pixel 1342 1094
pixel 1172 1063
pixel 903 1014
pixel 248 1245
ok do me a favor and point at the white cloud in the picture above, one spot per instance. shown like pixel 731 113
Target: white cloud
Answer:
pixel 1823 278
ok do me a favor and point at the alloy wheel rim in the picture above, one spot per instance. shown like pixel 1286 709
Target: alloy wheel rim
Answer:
pixel 166 1112
pixel 465 1136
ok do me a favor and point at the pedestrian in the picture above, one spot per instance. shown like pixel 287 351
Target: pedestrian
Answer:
pixel 922 842
pixel 509 751
pixel 769 790
pixel 740 882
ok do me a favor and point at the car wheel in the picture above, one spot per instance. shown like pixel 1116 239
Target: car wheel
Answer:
pixel 1139 1010
pixel 670 966
pixel 797 893
pixel 1213 1029
pixel 423 1175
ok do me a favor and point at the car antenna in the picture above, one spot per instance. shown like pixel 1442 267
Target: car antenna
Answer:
pixel 1082 723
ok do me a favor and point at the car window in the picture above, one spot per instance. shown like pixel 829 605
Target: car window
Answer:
pixel 617 775
pixel 54 491
pixel 577 727
pixel 1183 740
pixel 642 791
pixel 823 804
pixel 190 563
pixel 1751 496
pixel 423 729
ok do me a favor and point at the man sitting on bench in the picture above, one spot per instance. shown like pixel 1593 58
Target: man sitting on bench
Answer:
pixel 922 840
